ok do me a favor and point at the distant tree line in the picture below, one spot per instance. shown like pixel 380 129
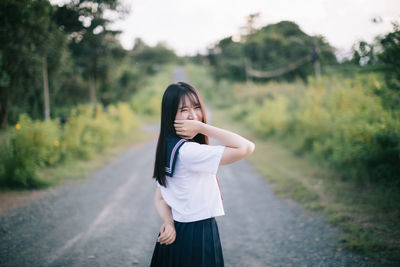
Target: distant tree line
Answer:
pixel 281 46
pixel 270 48
pixel 69 53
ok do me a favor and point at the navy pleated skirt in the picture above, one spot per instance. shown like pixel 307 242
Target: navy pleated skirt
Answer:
pixel 196 244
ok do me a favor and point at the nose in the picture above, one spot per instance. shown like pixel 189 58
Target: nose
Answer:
pixel 192 114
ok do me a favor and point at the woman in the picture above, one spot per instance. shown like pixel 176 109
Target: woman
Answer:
pixel 188 197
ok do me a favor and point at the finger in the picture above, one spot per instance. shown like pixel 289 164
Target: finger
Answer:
pixel 171 240
pixel 162 238
pixel 168 240
pixel 179 130
pixel 168 234
pixel 182 134
pixel 162 241
pixel 179 127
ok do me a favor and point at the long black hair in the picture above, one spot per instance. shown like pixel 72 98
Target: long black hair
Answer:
pixel 169 107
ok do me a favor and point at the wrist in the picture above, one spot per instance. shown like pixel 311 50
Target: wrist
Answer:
pixel 202 128
pixel 170 222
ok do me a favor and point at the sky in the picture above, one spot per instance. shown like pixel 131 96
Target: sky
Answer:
pixel 190 26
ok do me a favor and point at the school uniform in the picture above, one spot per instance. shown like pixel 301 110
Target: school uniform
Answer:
pixel 194 195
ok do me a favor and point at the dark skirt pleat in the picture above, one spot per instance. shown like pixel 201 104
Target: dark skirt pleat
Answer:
pixel 196 244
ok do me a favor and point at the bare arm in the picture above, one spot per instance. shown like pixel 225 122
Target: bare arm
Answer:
pixel 167 231
pixel 163 210
pixel 237 147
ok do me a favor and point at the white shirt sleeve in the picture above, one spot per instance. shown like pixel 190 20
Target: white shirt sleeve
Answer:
pixel 200 157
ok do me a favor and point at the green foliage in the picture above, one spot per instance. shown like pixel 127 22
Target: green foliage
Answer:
pixel 391 57
pixel 266 122
pixel 344 125
pixel 227 58
pixel 150 59
pixel 364 54
pixel 341 121
pixel 33 144
pixel 200 78
pixel 79 50
pixel 27 36
pixel 147 101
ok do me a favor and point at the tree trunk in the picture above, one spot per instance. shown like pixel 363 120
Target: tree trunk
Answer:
pixel 46 90
pixel 92 89
pixel 4 106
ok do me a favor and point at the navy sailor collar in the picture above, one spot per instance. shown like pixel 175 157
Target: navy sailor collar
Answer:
pixel 174 143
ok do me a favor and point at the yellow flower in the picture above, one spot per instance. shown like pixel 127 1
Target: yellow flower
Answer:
pixel 56 143
pixel 17 126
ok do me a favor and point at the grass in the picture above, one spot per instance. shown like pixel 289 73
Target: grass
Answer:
pixel 367 214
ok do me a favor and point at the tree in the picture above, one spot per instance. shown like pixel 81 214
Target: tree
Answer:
pixel 390 57
pixel 364 54
pixel 151 58
pixel 94 47
pixel 27 36
pixel 280 51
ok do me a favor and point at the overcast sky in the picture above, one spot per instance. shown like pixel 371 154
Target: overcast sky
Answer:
pixel 189 26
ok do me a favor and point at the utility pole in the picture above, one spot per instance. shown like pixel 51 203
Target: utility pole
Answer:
pixel 315 58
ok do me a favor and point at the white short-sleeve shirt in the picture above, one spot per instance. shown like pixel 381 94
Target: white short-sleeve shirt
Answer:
pixel 193 191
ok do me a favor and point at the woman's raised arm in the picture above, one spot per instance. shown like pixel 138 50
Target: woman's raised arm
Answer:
pixel 236 146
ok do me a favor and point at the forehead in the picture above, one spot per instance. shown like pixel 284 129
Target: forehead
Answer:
pixel 188 99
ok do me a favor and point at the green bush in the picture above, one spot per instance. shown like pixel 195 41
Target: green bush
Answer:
pixel 33 144
pixel 349 127
pixel 271 117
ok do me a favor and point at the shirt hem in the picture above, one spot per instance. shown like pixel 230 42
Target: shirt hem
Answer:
pixel 195 219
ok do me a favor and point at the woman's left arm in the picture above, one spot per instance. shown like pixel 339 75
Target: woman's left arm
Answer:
pixel 167 231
